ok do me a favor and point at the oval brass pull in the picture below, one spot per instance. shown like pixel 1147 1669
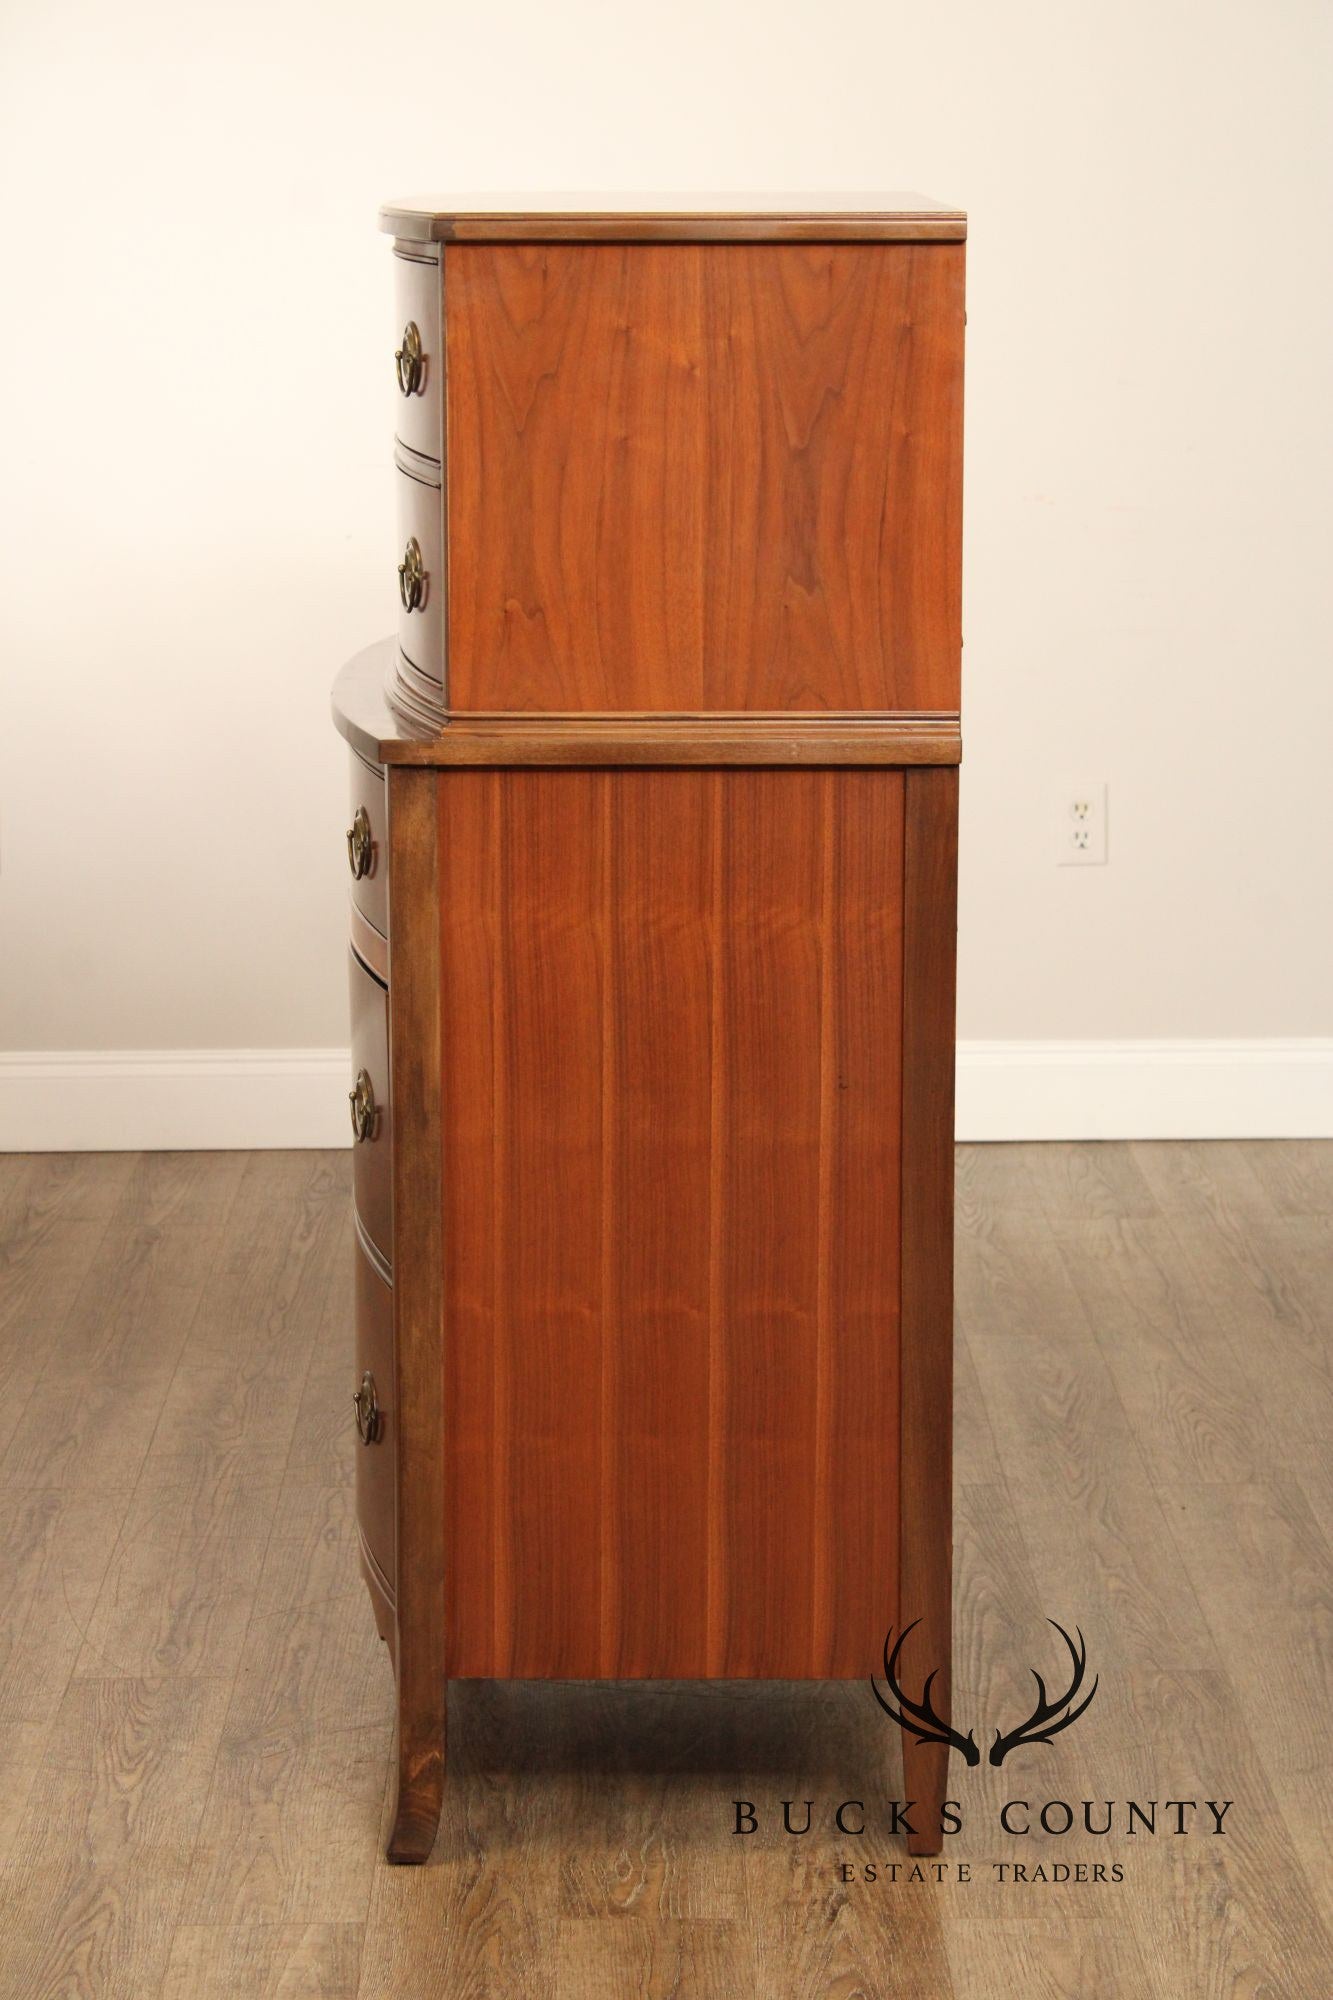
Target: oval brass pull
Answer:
pixel 360 846
pixel 367 1410
pixel 410 361
pixel 362 1100
pixel 412 576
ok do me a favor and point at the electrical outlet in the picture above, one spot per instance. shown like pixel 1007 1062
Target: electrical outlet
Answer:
pixel 1081 827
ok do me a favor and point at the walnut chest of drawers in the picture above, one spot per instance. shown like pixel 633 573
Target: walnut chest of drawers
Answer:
pixel 652 842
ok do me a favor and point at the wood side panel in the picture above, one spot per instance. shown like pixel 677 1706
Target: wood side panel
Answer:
pixel 704 476
pixel 414 1059
pixel 857 1552
pixel 810 996
pixel 522 970
pixel 671 1021
pixel 586 1245
pixel 768 951
pixel 553 1195
pixel 930 901
pixel 659 882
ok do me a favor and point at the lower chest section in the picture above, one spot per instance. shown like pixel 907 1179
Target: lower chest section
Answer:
pixel 668 1012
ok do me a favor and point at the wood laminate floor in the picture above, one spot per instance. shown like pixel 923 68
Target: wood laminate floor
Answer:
pixel 195 1710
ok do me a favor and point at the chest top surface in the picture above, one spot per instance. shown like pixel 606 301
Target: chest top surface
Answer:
pixel 681 218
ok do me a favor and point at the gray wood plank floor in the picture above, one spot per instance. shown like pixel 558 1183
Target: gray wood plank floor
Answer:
pixel 195 1710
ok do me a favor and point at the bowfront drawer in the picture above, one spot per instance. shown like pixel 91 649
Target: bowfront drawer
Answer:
pixel 367 843
pixel 418 355
pixel 374 1415
pixel 420 569
pixel 372 1180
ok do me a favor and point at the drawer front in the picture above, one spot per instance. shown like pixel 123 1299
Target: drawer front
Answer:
pixel 372 1180
pixel 375 1443
pixel 418 356
pixel 421 574
pixel 367 843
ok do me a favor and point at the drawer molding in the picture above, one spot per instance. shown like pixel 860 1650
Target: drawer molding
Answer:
pixel 369 945
pixel 371 1251
pixel 415 465
pixel 413 695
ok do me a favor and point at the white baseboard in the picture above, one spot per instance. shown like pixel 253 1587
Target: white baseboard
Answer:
pixel 173 1100
pixel 1146 1090
pixel 164 1100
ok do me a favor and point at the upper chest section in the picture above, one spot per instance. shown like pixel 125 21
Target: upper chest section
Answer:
pixel 689 471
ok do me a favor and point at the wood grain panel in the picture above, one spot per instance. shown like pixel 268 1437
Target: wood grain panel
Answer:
pixel 550 1182
pixel 856 1557
pixel 808 1083
pixel 522 1037
pixel 767 1130
pixel 671 1028
pixel 704 476
pixel 930 945
pixel 659 895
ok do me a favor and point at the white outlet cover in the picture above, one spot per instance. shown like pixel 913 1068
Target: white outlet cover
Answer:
pixel 1080 826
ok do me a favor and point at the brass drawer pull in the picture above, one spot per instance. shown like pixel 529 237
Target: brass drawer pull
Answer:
pixel 410 361
pixel 362 1101
pixel 360 846
pixel 367 1410
pixel 412 577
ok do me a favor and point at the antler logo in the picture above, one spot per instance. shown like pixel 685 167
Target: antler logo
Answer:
pixel 1047 1718
pixel 918 1717
pixel 1046 1721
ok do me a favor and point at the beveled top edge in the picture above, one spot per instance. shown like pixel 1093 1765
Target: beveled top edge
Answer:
pixel 684 218
pixel 693 721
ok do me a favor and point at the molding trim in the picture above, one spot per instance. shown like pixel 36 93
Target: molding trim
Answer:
pixel 701 737
pixel 167 1100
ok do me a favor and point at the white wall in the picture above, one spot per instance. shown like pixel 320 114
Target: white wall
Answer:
pixel 197 521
